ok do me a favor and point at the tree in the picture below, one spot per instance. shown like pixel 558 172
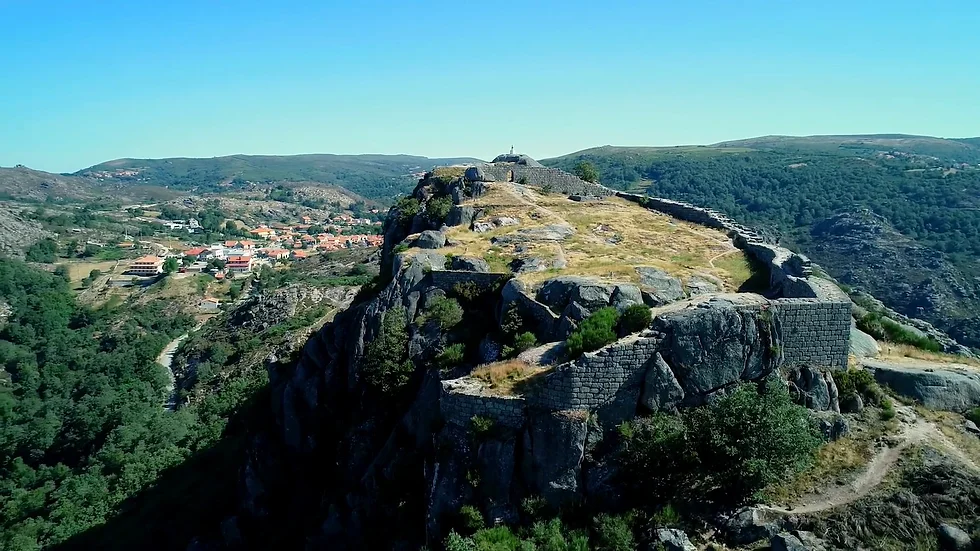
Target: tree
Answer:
pixel 315 229
pixel 43 251
pixel 170 265
pixel 587 171
pixel 385 365
pixel 721 454
pixel 63 272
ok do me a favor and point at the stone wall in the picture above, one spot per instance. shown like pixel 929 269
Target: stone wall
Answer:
pixel 594 379
pixel 813 332
pixel 461 401
pixel 814 314
pixel 554 179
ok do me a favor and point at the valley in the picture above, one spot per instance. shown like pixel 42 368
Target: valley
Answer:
pixel 500 358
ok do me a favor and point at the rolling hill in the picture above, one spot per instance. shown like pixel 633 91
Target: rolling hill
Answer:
pixel 376 177
pixel 24 184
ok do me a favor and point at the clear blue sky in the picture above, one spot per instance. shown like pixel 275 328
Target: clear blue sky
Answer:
pixel 84 82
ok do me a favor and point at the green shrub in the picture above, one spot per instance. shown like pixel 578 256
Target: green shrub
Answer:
pixel 451 356
pixel 407 208
pixel 400 248
pixel 613 533
pixel 635 318
pixel 455 542
pixel 525 341
pixel 594 332
pixel 887 329
pixel 534 508
pixel 480 426
pixel 666 517
pixel 973 415
pixel 467 290
pixel 722 454
pixel 498 538
pixel 385 365
pixel 445 311
pixel 586 171
pixel 861 383
pixel 887 410
pixel 470 519
pixel 438 208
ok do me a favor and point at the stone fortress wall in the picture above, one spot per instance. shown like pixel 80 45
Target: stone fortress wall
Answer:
pixel 811 316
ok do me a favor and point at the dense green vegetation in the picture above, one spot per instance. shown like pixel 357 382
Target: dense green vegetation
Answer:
pixel 385 364
pixel 83 430
pixel 594 332
pixel 790 191
pixel 886 329
pixel 717 455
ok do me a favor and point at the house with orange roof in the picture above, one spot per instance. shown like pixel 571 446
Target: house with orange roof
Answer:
pixel 196 251
pixel 278 254
pixel 299 255
pixel 231 244
pixel 147 266
pixel 263 232
pixel 247 245
pixel 239 264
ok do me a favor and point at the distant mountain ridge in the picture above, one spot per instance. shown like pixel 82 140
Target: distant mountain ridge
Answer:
pixel 26 184
pixel 955 150
pixel 378 177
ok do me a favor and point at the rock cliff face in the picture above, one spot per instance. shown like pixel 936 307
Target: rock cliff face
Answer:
pixel 916 281
pixel 409 457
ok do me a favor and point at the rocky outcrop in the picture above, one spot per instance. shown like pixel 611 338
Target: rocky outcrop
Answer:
pixel 936 386
pixel 430 239
pixel 661 391
pixel 864 250
pixel 674 540
pixel 714 344
pixel 814 389
pixel 659 287
pixel 555 446
pixel 863 345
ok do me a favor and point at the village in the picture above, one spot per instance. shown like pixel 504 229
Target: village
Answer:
pixel 269 244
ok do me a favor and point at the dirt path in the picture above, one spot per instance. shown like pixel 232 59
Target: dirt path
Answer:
pixel 881 464
pixel 166 359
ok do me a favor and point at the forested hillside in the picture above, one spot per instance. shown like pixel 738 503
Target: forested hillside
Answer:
pixel 793 186
pixel 82 424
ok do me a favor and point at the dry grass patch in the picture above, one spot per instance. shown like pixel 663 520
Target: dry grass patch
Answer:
pixel 892 350
pixel 834 461
pixel 837 462
pixel 448 171
pixel 80 270
pixel 951 427
pixel 505 375
pixel 612 237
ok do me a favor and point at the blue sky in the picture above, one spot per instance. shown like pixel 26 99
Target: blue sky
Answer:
pixel 84 82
